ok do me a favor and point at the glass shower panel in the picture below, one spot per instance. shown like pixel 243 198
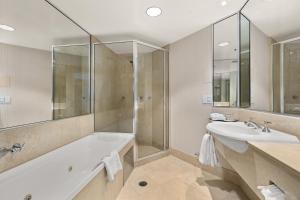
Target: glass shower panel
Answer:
pixel 113 87
pixel 150 100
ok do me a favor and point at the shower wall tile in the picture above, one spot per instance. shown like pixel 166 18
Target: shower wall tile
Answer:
pixel 113 91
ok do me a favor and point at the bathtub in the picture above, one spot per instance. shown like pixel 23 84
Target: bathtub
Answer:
pixel 62 173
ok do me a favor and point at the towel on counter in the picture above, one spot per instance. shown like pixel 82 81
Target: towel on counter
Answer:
pixel 217 117
pixel 208 155
pixel 112 164
pixel 271 192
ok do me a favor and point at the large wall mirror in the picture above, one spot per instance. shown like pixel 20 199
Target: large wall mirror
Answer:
pixel 44 64
pixel 275 55
pixel 231 60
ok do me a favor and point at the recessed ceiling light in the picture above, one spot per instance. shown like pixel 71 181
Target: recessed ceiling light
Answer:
pixel 7 28
pixel 224 3
pixel 154 11
pixel 223 44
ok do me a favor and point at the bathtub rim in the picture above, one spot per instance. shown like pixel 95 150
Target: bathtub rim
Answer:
pixel 5 175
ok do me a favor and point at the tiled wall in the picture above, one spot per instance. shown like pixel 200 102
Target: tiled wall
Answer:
pixel 113 90
pixel 286 123
pixel 42 138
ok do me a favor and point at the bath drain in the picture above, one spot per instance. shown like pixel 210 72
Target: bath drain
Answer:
pixel 143 183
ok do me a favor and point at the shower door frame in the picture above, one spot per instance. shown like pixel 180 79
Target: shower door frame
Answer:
pixel 135 44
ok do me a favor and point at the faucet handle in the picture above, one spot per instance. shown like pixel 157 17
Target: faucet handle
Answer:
pixel 266 127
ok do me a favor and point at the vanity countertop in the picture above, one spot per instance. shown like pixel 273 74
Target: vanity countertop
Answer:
pixel 287 154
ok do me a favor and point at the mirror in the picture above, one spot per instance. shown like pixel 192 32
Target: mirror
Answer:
pixel 231 81
pixel 44 64
pixel 275 55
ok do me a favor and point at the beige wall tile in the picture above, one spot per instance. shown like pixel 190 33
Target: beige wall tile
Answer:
pixel 42 138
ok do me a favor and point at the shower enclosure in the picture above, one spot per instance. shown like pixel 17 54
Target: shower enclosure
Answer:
pixel 131 93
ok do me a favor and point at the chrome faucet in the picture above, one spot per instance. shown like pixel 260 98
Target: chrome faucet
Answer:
pixel 252 124
pixel 265 128
pixel 17 147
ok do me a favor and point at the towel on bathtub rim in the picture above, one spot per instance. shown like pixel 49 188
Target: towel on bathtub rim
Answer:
pixel 112 164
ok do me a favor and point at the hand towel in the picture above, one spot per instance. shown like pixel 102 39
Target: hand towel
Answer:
pixel 272 192
pixel 217 117
pixel 112 164
pixel 208 155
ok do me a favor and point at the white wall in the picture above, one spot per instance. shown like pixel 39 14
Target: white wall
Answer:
pixel 190 79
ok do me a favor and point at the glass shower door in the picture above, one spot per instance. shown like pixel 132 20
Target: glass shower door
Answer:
pixel 150 90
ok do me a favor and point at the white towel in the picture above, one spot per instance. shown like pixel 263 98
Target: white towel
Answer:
pixel 112 164
pixel 217 117
pixel 208 155
pixel 271 192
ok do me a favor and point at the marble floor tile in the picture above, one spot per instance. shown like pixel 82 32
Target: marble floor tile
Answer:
pixel 170 178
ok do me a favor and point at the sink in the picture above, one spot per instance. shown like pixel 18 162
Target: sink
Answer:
pixel 236 135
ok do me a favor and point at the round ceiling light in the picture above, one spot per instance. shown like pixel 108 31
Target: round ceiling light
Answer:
pixel 224 3
pixel 154 11
pixel 6 28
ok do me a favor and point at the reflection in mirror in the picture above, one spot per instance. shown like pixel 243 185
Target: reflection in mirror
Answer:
pixel 286 85
pixel 71 81
pixel 226 66
pixel 32 28
pixel 275 45
pixel 244 62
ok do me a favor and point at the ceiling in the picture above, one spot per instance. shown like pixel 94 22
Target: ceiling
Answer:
pixel 111 20
pixel 37 25
pixel 278 19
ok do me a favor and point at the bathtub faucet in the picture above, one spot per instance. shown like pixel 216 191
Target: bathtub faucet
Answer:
pixel 15 148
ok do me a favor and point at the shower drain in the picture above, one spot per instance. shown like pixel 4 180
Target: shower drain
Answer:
pixel 143 183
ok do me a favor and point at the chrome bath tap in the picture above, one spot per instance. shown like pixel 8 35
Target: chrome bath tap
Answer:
pixel 15 148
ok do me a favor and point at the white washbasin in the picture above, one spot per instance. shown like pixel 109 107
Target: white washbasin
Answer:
pixel 236 135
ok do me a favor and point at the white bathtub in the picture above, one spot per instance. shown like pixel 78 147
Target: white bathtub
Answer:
pixel 50 177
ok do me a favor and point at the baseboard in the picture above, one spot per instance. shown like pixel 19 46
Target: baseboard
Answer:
pixel 221 172
pixel 225 174
pixel 151 158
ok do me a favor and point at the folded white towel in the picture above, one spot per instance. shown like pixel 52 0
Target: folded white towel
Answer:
pixel 208 155
pixel 217 117
pixel 272 192
pixel 112 164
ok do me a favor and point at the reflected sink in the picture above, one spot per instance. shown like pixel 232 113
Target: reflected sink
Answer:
pixel 236 135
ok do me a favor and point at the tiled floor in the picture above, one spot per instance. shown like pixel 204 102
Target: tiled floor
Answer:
pixel 146 150
pixel 173 179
